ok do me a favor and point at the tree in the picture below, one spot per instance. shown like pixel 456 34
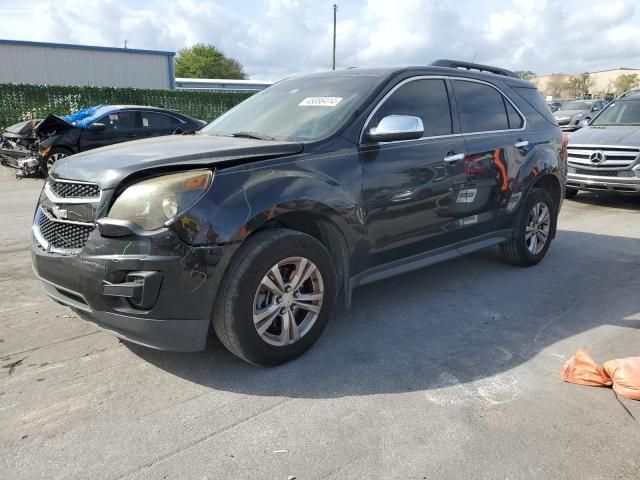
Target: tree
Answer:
pixel 626 82
pixel 206 61
pixel 525 74
pixel 579 85
pixel 556 85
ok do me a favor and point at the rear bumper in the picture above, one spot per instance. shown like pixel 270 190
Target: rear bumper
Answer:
pixel 613 184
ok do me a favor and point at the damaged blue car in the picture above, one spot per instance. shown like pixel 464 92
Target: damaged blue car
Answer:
pixel 57 137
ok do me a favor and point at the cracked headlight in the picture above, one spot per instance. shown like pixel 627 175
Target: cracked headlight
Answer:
pixel 151 203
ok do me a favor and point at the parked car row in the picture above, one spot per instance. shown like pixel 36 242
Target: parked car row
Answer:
pixel 34 146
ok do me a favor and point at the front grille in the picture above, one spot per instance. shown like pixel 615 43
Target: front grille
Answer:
pixel 63 235
pixel 598 173
pixel 74 189
pixel 614 156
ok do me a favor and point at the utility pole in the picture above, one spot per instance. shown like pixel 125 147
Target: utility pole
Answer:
pixel 335 11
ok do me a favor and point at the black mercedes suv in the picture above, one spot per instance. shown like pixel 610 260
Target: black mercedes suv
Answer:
pixel 263 222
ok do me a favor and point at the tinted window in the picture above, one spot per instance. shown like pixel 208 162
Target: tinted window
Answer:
pixel 533 98
pixel 515 120
pixel 481 107
pixel 426 99
pixel 158 121
pixel 119 121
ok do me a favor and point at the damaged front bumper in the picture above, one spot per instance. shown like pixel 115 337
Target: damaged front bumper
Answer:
pixel 27 163
pixel 152 289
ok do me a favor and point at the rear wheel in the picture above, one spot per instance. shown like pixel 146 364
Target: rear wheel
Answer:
pixel 533 228
pixel 276 298
pixel 570 192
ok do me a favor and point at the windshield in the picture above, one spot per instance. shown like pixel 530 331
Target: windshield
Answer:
pixel 620 113
pixel 576 106
pixel 298 109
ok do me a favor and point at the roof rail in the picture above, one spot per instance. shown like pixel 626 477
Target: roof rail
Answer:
pixel 473 66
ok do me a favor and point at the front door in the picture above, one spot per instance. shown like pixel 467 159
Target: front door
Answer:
pixel 120 126
pixel 411 196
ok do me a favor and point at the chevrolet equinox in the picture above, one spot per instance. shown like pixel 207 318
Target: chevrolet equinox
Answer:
pixel 263 222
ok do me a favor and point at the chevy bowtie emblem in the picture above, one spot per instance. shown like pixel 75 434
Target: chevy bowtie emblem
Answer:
pixel 59 213
pixel 597 157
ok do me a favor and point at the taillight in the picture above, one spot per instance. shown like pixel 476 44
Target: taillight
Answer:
pixel 565 146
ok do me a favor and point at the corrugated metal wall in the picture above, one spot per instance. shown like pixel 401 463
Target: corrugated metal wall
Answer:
pixel 73 66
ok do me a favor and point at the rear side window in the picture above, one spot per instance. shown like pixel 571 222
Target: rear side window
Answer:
pixel 482 108
pixel 515 120
pixel 427 99
pixel 154 120
pixel 533 98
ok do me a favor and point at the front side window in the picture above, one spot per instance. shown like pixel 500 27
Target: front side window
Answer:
pixel 619 113
pixel 482 108
pixel 118 121
pixel 426 99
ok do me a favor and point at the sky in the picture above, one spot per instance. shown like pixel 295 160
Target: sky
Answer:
pixel 278 38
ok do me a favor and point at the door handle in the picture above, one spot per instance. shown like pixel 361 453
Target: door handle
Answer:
pixel 522 144
pixel 454 157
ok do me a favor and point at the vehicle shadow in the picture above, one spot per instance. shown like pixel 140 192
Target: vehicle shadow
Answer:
pixel 608 199
pixel 467 319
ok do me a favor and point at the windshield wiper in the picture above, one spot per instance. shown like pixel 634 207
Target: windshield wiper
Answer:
pixel 256 135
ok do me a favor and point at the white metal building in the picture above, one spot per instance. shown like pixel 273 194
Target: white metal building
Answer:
pixel 61 64
pixel 221 84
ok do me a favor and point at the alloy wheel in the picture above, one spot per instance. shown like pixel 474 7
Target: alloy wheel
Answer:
pixel 53 159
pixel 538 227
pixel 288 301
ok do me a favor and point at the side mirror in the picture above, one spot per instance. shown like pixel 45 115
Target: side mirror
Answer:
pixel 595 109
pixel 96 127
pixel 583 123
pixel 396 127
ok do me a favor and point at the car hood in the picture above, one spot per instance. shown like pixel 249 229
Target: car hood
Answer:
pixel 108 166
pixel 21 130
pixel 566 113
pixel 593 135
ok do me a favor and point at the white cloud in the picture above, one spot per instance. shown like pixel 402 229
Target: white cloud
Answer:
pixel 276 38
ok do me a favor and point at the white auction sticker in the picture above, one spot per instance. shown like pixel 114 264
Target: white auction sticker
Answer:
pixel 320 102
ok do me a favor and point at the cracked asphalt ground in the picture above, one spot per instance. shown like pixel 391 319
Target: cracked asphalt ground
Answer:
pixel 447 372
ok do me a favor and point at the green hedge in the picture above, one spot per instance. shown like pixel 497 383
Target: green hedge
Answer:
pixel 24 102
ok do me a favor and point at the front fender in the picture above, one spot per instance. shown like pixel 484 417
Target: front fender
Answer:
pixel 240 202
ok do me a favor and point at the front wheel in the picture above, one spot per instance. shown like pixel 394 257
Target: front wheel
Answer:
pixel 534 225
pixel 49 160
pixel 276 298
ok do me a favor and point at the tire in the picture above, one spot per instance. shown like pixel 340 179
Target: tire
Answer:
pixel 517 251
pixel 570 193
pixel 55 154
pixel 243 297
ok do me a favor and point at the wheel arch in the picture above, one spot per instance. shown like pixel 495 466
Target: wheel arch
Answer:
pixel 328 233
pixel 550 183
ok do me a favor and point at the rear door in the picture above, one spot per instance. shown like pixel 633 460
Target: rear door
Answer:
pixel 410 194
pixel 497 145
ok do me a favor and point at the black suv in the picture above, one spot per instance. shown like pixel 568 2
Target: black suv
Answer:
pixel 265 220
